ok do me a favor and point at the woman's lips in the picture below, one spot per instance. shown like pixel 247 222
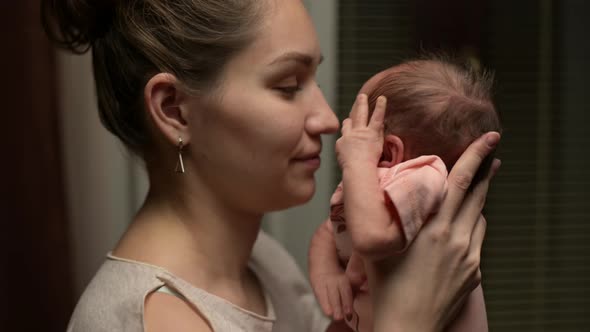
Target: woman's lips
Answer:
pixel 311 161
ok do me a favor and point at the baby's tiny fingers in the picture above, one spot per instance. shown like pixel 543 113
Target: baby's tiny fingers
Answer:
pixel 360 111
pixel 345 126
pixel 378 116
pixel 335 303
pixel 324 301
pixel 345 296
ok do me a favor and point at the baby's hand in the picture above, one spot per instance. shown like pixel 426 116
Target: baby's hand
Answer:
pixel 362 139
pixel 334 293
pixel 355 272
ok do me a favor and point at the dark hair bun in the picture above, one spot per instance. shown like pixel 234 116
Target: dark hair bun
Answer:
pixel 77 24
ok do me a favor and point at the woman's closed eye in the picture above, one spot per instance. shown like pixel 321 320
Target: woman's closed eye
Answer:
pixel 289 91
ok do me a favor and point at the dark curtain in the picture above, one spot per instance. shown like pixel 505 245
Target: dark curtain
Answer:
pixel 35 278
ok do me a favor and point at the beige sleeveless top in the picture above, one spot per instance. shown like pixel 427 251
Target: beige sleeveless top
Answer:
pixel 114 299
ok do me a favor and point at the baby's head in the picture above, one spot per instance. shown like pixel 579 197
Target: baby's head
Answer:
pixel 433 107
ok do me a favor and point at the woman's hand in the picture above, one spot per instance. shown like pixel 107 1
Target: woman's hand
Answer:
pixel 423 289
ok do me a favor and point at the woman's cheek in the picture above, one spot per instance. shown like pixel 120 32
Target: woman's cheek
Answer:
pixel 285 135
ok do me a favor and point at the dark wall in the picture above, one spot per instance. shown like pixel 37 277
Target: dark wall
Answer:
pixel 35 272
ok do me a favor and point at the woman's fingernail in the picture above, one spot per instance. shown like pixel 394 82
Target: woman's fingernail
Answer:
pixel 493 139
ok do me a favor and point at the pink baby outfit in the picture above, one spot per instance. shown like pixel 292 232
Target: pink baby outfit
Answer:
pixel 413 191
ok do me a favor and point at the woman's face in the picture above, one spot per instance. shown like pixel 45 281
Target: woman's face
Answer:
pixel 256 142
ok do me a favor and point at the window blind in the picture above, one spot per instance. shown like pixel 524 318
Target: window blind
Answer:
pixel 372 36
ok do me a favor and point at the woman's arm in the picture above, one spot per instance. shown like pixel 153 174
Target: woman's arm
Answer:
pixel 472 317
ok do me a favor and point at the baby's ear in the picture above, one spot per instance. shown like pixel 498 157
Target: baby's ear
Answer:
pixel 393 151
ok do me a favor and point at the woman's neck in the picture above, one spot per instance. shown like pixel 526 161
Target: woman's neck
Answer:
pixel 194 236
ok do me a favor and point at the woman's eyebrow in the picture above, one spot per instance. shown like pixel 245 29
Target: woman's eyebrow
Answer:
pixel 305 59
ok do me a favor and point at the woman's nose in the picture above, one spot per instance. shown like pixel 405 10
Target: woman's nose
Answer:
pixel 322 119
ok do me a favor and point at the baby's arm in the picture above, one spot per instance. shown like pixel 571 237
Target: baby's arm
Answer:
pixel 328 280
pixel 473 316
pixel 373 233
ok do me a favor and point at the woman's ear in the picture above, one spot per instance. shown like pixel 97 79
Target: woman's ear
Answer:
pixel 393 151
pixel 163 98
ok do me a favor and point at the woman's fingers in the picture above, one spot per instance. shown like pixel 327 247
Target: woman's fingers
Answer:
pixel 479 232
pixel 376 121
pixel 464 171
pixel 473 204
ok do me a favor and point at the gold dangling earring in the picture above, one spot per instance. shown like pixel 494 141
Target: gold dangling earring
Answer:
pixel 180 163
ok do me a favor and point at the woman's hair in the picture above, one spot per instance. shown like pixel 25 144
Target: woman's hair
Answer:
pixel 132 40
pixel 436 107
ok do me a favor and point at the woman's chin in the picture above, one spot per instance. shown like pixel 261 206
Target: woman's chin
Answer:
pixel 302 195
pixel 306 193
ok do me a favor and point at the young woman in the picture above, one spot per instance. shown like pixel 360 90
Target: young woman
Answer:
pixel 219 99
